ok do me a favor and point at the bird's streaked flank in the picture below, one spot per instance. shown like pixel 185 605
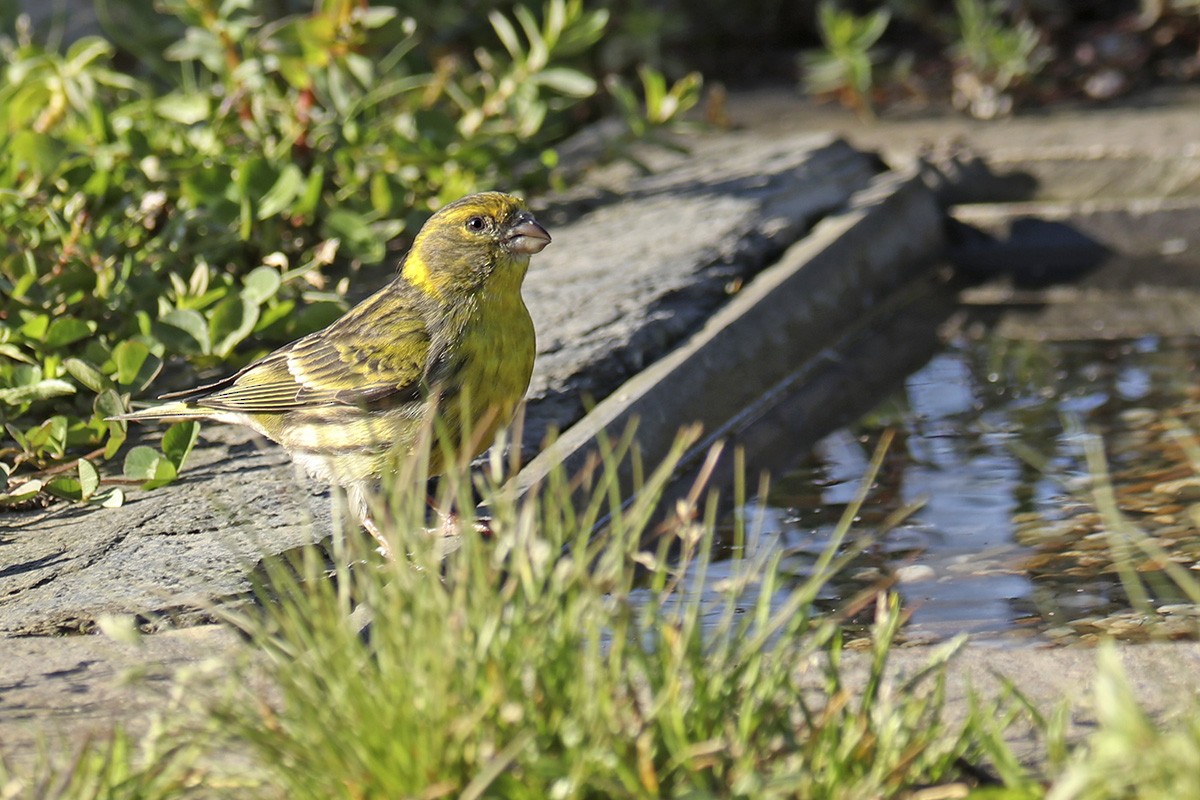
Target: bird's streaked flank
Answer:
pixel 450 335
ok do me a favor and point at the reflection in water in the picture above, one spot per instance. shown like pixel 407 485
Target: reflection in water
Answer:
pixel 1006 539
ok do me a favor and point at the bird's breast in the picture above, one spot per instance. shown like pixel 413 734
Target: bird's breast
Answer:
pixel 494 362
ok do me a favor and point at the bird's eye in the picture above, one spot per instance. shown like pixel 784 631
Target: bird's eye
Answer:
pixel 476 224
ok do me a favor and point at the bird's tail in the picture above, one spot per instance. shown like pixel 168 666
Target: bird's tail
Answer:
pixel 171 411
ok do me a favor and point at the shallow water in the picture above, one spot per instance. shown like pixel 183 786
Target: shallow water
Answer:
pixel 1004 540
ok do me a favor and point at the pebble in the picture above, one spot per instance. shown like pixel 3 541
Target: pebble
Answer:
pixel 1105 84
pixel 1081 601
pixel 914 573
pixel 1138 417
pixel 1184 490
pixel 1180 610
pixel 1193 514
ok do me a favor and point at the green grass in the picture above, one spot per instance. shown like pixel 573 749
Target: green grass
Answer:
pixel 544 662
pixel 514 669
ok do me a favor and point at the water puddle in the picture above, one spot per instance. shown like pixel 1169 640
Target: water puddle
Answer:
pixel 1005 539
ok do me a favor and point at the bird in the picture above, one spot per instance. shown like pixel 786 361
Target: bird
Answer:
pixel 449 336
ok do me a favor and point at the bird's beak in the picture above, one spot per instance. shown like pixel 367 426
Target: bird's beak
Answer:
pixel 526 236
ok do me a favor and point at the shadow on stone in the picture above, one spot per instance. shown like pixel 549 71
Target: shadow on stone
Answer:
pixel 1034 252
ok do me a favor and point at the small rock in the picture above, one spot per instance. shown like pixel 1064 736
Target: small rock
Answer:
pixel 866 575
pixel 1180 610
pixel 1106 84
pixel 1081 601
pixel 1138 417
pixel 914 573
pixel 1184 490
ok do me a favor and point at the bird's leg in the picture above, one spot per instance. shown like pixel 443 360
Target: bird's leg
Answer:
pixel 361 505
pixel 384 549
pixel 446 528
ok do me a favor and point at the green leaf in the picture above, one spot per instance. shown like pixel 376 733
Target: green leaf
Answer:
pixel 65 486
pixel 200 45
pixel 569 82
pixel 507 35
pixel 184 331
pixel 539 49
pixel 361 67
pixel 50 436
pixel 87 374
pixel 314 316
pixel 178 441
pixel 14 352
pixel 382 199
pixel 294 70
pixel 164 473
pixel 232 321
pixel 136 365
pixel 355 234
pixel 272 314
pixel 113 499
pixel 146 464
pixel 140 462
pixel 306 205
pixel 185 108
pixel 108 404
pixel 35 327
pixel 66 330
pixel 42 390
pixel 86 50
pixel 89 479
pixel 375 17
pixel 18 436
pixel 283 193
pixel 26 491
pixel 261 284
pixel 37 153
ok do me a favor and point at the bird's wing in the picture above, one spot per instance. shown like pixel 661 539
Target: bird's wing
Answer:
pixel 345 364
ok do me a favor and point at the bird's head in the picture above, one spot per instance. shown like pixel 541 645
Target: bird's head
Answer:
pixel 470 240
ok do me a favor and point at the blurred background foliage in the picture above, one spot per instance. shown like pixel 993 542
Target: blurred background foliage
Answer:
pixel 188 183
pixel 198 181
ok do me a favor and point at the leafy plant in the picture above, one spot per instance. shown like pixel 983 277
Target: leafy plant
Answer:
pixel 208 204
pixel 991 57
pixel 846 66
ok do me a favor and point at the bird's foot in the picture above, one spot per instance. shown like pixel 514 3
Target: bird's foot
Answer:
pixel 384 549
pixel 451 530
pixel 448 533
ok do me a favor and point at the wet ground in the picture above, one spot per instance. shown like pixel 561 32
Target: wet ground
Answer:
pixel 1004 531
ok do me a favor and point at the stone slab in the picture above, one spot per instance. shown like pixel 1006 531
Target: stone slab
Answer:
pixel 1151 125
pixel 55 692
pixel 1050 235
pixel 819 289
pixel 644 268
pixel 1081 173
pixel 165 556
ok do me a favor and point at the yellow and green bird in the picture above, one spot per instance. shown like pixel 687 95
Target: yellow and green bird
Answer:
pixel 450 335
